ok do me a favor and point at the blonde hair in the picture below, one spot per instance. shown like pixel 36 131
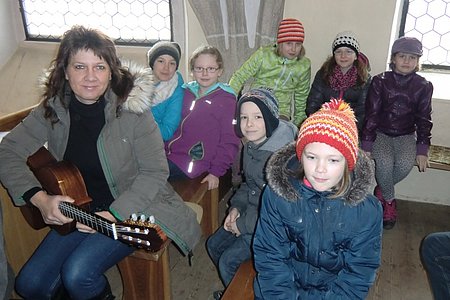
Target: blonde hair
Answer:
pixel 211 50
pixel 299 56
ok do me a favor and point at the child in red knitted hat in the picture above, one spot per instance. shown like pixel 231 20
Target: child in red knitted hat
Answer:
pixel 319 231
pixel 283 68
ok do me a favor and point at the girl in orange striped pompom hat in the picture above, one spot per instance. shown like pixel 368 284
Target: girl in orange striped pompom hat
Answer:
pixel 319 230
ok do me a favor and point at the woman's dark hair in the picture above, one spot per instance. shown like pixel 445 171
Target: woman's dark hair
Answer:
pixel 80 38
pixel 329 65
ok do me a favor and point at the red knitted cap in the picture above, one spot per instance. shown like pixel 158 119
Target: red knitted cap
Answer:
pixel 290 30
pixel 335 125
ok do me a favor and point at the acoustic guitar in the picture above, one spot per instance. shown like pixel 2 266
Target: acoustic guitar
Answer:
pixel 63 178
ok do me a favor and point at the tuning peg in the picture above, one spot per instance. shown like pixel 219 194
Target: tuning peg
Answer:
pixel 142 218
pixel 151 220
pixel 134 217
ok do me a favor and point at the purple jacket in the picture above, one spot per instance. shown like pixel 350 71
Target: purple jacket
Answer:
pixel 205 141
pixel 398 105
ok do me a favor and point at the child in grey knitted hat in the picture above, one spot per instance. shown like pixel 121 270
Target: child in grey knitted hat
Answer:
pixel 164 59
pixel 258 122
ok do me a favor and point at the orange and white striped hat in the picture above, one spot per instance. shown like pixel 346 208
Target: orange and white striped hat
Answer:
pixel 335 125
pixel 290 30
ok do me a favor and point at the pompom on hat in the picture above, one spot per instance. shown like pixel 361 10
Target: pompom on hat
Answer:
pixel 161 48
pixel 290 30
pixel 407 44
pixel 267 104
pixel 345 39
pixel 335 125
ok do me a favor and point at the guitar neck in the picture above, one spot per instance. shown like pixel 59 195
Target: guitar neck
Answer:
pixel 94 221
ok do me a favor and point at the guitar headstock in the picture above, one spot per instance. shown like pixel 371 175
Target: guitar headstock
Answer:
pixel 141 232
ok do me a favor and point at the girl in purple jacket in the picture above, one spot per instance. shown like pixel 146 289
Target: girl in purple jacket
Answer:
pixel 397 131
pixel 205 143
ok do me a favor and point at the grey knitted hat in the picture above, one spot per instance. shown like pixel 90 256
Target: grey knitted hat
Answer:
pixel 267 104
pixel 161 48
pixel 346 39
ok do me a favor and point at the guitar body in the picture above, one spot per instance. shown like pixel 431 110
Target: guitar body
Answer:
pixel 57 178
pixel 63 178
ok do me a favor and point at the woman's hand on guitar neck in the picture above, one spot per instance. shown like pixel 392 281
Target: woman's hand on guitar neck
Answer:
pixel 48 206
pixel 105 214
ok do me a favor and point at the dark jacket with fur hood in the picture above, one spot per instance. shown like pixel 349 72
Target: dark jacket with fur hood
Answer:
pixel 310 246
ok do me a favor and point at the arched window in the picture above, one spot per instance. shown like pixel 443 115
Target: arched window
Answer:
pixel 429 21
pixel 128 22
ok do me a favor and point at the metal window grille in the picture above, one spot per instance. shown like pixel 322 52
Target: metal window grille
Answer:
pixel 429 22
pixel 128 22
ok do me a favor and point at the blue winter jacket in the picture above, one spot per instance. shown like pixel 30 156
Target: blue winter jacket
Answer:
pixel 308 246
pixel 167 114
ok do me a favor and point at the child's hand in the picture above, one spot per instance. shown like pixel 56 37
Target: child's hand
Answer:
pixel 230 221
pixel 422 162
pixel 213 181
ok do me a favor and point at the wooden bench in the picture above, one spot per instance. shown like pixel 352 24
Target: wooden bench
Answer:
pixel 439 157
pixel 147 275
pixel 241 286
pixel 192 190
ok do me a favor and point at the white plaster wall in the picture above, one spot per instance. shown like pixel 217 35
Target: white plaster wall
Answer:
pixel 7 31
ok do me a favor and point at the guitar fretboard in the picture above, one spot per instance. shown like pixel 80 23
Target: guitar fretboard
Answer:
pixel 94 221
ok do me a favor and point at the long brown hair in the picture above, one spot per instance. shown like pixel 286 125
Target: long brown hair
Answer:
pixel 80 38
pixel 328 66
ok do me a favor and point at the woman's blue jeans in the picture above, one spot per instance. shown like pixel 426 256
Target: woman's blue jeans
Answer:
pixel 435 253
pixel 228 252
pixel 76 261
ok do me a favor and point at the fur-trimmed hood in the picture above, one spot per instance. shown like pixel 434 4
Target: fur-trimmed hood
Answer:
pixel 283 164
pixel 141 96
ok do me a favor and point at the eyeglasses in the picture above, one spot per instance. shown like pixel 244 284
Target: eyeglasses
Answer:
pixel 342 52
pixel 207 69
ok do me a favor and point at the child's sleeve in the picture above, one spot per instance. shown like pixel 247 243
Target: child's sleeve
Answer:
pixel 423 120
pixel 246 71
pixel 373 108
pixel 301 92
pixel 315 96
pixel 229 142
pixel 274 278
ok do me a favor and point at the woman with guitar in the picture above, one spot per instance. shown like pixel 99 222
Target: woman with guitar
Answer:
pixel 95 115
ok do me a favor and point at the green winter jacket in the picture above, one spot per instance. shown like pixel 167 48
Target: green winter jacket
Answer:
pixel 288 78
pixel 131 153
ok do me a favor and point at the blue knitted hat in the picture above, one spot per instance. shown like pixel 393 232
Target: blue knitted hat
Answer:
pixel 267 104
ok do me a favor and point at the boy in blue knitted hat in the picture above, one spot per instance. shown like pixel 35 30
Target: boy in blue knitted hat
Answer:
pixel 258 122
